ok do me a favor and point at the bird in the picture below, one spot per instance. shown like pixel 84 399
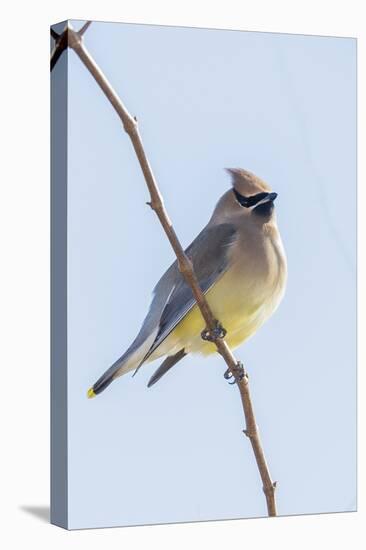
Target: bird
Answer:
pixel 241 267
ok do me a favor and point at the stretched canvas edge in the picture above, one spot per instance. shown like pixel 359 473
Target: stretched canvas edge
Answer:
pixel 58 405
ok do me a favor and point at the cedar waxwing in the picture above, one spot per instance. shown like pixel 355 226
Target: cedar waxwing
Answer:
pixel 240 265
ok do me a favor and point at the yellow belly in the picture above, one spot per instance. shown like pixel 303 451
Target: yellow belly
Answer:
pixel 241 306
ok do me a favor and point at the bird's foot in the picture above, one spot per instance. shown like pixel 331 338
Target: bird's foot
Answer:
pixel 238 373
pixel 212 335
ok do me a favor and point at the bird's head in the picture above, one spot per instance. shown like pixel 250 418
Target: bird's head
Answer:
pixel 250 198
pixel 251 194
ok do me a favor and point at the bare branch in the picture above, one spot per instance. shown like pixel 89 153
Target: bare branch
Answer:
pixel 84 28
pixel 62 41
pixel 214 332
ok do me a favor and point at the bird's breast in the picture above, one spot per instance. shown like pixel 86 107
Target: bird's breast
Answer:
pixel 250 291
pixel 242 299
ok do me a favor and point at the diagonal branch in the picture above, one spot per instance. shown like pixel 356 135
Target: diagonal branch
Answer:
pixel 214 332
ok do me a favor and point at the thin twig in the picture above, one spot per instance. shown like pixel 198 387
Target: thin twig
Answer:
pixel 211 333
pixel 84 28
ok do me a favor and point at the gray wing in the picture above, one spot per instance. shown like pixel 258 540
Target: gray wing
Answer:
pixel 173 299
pixel 209 255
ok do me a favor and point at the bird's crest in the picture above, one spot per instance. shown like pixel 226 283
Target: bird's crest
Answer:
pixel 247 183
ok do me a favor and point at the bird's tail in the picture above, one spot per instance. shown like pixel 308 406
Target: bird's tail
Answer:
pixel 137 352
pixel 130 360
pixel 117 369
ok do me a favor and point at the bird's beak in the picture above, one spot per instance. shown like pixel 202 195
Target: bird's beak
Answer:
pixel 270 197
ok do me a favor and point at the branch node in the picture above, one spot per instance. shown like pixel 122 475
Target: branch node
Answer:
pixel 155 205
pixel 74 39
pixel 250 434
pixel 269 490
pixel 130 125
pixel 185 266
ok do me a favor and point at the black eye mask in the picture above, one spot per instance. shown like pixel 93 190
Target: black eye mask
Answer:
pixel 247 202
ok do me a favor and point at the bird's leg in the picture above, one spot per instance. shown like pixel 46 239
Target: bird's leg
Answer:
pixel 238 373
pixel 212 335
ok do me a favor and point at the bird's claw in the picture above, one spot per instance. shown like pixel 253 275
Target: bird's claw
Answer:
pixel 237 373
pixel 212 335
pixel 227 375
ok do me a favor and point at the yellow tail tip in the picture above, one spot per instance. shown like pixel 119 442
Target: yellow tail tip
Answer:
pixel 91 393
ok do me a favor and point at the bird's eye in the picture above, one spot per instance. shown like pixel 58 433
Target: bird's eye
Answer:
pixel 240 198
pixel 247 202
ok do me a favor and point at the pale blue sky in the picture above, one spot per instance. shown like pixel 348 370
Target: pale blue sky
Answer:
pixel 282 106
